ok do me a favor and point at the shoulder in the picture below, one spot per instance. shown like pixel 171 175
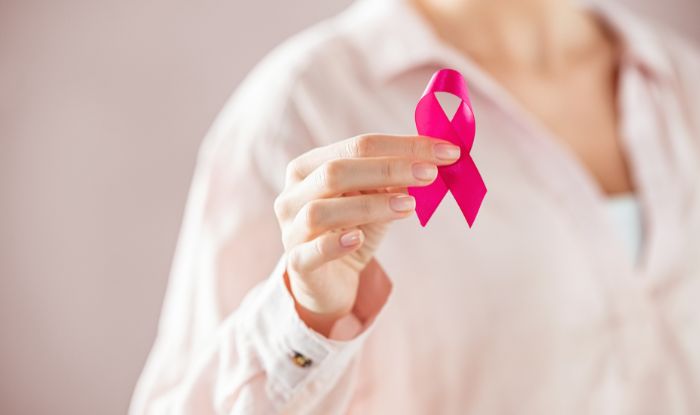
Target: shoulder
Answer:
pixel 322 57
pixel 268 114
pixel 674 57
pixel 684 60
pixel 658 45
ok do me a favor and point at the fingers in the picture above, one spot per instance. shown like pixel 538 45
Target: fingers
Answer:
pixel 354 182
pixel 310 255
pixel 343 176
pixel 423 148
pixel 323 215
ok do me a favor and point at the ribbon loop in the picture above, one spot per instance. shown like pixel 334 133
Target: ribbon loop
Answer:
pixel 461 178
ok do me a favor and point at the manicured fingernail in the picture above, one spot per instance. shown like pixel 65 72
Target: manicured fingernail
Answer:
pixel 351 238
pixel 424 171
pixel 402 203
pixel 446 151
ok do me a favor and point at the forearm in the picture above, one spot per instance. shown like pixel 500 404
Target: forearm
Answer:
pixel 252 364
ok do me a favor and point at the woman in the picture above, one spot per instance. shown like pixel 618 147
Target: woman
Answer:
pixel 575 290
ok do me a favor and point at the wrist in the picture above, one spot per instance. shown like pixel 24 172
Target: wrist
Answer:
pixel 320 322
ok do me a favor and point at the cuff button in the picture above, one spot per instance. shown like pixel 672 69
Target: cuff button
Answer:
pixel 301 360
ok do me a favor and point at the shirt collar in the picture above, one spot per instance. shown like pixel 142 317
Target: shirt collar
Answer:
pixel 640 40
pixel 397 38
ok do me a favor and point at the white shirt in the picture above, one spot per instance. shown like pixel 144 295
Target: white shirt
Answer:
pixel 537 309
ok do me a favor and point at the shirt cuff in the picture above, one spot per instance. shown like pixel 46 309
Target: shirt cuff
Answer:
pixel 292 354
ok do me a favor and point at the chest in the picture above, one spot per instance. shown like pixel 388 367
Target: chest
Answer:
pixel 525 297
pixel 580 112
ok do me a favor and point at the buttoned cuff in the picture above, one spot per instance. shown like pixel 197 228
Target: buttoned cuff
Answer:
pixel 294 355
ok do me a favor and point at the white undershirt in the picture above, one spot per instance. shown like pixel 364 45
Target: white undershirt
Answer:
pixel 625 213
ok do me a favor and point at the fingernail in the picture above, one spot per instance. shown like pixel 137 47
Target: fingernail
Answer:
pixel 403 203
pixel 446 151
pixel 351 238
pixel 424 171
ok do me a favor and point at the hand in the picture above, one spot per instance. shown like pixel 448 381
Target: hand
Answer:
pixel 334 210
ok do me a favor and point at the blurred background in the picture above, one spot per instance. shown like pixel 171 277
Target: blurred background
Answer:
pixel 103 105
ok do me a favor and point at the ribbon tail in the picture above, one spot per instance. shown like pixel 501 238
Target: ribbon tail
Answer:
pixel 428 198
pixel 468 190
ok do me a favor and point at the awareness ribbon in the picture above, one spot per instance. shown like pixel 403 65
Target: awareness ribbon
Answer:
pixel 462 178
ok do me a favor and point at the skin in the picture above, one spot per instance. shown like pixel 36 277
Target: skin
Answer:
pixel 338 199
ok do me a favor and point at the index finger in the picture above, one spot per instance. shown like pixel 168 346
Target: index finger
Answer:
pixel 435 150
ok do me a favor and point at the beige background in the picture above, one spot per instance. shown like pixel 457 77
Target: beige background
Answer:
pixel 102 107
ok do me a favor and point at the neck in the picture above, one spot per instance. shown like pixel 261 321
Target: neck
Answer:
pixel 536 35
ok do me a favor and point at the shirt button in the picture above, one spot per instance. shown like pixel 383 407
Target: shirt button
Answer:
pixel 301 360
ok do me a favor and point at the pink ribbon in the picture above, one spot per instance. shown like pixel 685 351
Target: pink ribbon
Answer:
pixel 462 178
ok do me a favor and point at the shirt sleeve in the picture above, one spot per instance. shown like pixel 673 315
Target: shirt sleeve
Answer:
pixel 229 338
